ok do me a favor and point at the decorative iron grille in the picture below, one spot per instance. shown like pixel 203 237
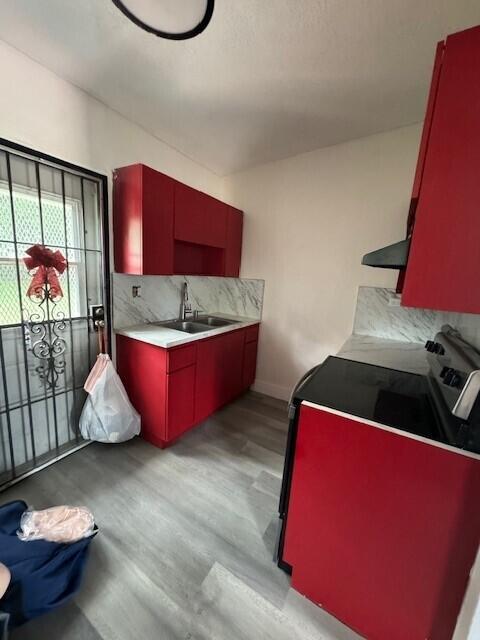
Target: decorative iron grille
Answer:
pixel 46 343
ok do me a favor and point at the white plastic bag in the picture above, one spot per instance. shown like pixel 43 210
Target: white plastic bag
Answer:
pixel 108 415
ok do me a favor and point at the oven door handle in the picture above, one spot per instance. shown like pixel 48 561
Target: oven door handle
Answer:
pixel 468 396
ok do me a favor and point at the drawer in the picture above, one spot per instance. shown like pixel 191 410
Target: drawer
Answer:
pixel 251 333
pixel 181 357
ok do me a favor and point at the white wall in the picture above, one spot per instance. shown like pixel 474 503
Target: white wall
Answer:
pixel 309 220
pixel 40 110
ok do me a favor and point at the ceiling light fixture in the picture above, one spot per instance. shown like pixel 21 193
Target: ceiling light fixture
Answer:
pixel 178 20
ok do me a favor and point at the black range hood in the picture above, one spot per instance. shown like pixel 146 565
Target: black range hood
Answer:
pixel 392 257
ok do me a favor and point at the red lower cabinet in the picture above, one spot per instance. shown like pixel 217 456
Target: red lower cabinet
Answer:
pixel 160 385
pixel 382 529
pixel 174 389
pixel 142 368
pixel 180 402
pixel 220 362
pixel 249 364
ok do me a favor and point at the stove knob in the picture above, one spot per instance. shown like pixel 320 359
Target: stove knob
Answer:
pixel 444 371
pixel 451 378
pixel 438 348
pixel 455 381
pixel 430 345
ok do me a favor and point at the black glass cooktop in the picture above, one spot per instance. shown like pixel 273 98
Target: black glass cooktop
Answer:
pixel 393 398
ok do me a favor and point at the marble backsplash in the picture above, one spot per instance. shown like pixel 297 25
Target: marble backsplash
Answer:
pixel 160 297
pixel 379 314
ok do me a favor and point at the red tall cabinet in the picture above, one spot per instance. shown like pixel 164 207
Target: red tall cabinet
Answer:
pixel 444 261
pixel 164 227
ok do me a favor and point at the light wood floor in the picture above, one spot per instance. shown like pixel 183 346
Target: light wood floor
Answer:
pixel 186 537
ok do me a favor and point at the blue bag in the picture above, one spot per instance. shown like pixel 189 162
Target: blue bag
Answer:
pixel 44 574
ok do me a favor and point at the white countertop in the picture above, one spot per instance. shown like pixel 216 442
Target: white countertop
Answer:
pixel 161 336
pixel 393 354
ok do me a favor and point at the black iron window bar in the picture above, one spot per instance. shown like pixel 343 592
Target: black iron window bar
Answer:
pixel 44 333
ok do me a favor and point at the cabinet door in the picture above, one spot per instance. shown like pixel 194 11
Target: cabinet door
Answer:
pixel 190 205
pixel 219 372
pixel 216 221
pixel 158 198
pixel 427 123
pixel 249 364
pixel 375 532
pixel 142 221
pixel 127 219
pixel 233 251
pixel 444 263
pixel 251 333
pixel 207 388
pixel 180 401
pixel 232 364
pixel 142 368
pixel 199 218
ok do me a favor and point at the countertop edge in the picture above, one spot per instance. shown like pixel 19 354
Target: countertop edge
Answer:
pixel 399 432
pixel 159 336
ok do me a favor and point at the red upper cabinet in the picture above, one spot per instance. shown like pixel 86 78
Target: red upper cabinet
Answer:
pixel 143 219
pixel 199 218
pixel 427 123
pixel 444 262
pixel 164 227
pixel 233 251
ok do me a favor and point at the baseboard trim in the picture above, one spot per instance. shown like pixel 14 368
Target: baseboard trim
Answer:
pixel 273 390
pixel 40 467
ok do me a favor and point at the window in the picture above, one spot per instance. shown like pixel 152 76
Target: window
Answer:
pixel 56 232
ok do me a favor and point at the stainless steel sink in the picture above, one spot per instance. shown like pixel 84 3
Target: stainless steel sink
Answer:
pixel 201 323
pixel 214 321
pixel 185 326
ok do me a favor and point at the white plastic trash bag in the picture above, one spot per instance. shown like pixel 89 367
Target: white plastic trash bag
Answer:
pixel 108 415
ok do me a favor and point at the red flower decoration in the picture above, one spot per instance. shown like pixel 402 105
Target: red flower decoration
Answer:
pixel 48 265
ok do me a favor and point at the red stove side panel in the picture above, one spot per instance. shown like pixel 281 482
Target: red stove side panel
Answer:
pixel 382 529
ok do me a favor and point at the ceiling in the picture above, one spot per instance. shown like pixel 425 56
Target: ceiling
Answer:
pixel 268 78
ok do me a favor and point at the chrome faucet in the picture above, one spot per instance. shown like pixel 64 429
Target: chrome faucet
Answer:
pixel 185 305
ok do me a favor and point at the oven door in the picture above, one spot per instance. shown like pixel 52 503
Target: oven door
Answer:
pixel 293 406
